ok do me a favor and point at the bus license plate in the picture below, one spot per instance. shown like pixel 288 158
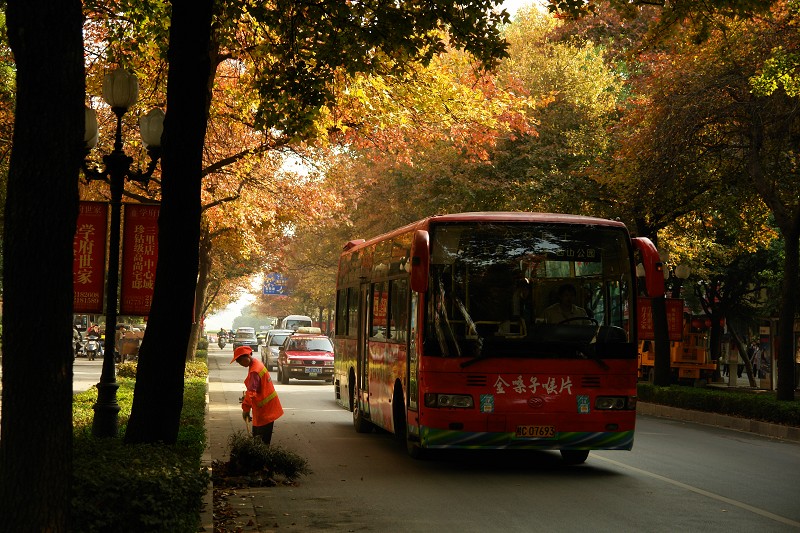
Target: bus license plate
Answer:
pixel 536 432
pixel 312 370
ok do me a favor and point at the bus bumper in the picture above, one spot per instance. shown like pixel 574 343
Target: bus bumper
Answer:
pixel 579 440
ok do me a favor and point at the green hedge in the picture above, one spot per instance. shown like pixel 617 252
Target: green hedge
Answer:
pixel 193 369
pixel 124 487
pixel 756 405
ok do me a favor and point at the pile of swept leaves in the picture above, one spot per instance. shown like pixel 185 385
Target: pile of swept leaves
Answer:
pixel 254 464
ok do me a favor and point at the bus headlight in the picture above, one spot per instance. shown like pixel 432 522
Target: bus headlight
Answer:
pixel 462 401
pixel 615 403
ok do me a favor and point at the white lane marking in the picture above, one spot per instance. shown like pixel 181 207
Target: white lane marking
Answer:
pixel 718 497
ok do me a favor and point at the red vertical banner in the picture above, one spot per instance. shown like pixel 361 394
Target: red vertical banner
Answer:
pixel 646 328
pixel 89 258
pixel 139 257
pixel 675 319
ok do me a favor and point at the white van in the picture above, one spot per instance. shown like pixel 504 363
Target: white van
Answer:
pixel 295 321
pixel 246 337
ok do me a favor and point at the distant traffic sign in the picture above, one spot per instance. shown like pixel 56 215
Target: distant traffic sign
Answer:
pixel 274 284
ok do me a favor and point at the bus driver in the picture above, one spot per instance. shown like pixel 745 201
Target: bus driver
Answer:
pixel 565 309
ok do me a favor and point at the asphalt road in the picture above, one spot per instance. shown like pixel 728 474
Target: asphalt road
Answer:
pixel 679 477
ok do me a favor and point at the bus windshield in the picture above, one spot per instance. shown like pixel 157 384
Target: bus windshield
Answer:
pixel 529 290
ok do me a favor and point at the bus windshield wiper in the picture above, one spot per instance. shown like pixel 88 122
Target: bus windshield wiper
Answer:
pixel 470 327
pixel 440 316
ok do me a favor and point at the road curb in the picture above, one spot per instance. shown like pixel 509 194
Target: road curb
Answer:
pixel 747 425
pixel 207 509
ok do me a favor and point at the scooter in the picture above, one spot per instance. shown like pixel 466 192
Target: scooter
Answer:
pixel 77 350
pixel 221 342
pixel 92 347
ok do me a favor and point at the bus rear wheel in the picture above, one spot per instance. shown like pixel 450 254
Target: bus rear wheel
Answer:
pixel 574 457
pixel 361 424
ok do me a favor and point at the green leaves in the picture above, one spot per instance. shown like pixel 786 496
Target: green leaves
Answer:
pixel 779 71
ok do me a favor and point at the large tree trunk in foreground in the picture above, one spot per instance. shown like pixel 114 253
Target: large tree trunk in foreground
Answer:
pixel 158 397
pixel 40 215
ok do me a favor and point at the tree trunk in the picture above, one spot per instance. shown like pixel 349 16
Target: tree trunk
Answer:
pixel 662 371
pixel 787 217
pixel 715 333
pixel 201 290
pixel 748 365
pixel 785 354
pixel 194 338
pixel 158 397
pixel 40 216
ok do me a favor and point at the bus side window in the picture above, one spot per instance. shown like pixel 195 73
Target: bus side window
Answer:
pixel 380 310
pixel 398 313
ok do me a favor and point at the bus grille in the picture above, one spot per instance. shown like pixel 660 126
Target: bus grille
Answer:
pixel 476 380
pixel 590 382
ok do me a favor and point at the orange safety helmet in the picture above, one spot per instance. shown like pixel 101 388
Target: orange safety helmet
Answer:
pixel 240 351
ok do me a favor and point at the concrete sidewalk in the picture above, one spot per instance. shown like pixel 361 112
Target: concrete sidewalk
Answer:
pixel 223 419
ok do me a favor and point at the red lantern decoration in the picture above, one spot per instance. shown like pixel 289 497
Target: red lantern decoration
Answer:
pixel 696 323
pixel 708 322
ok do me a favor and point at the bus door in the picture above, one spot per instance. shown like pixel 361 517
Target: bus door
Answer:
pixel 362 363
pixel 412 359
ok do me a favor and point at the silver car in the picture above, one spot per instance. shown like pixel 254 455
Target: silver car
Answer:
pixel 272 343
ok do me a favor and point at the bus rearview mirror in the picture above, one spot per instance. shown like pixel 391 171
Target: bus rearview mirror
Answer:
pixel 420 261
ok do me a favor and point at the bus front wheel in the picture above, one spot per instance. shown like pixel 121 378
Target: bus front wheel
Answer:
pixel 413 448
pixel 574 457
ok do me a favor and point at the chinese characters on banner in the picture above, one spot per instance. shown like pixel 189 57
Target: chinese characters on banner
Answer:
pixel 646 329
pixel 139 257
pixel 89 258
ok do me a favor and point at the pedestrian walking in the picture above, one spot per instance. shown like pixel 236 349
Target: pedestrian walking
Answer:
pixel 260 396
pixel 758 361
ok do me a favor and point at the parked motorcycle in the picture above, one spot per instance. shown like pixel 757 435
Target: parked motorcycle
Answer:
pixel 77 343
pixel 92 347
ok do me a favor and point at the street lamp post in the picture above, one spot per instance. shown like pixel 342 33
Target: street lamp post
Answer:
pixel 120 91
pixel 680 273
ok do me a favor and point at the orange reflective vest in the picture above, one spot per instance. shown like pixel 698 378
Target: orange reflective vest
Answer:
pixel 265 403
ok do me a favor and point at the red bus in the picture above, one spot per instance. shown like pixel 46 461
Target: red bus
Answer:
pixel 446 333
